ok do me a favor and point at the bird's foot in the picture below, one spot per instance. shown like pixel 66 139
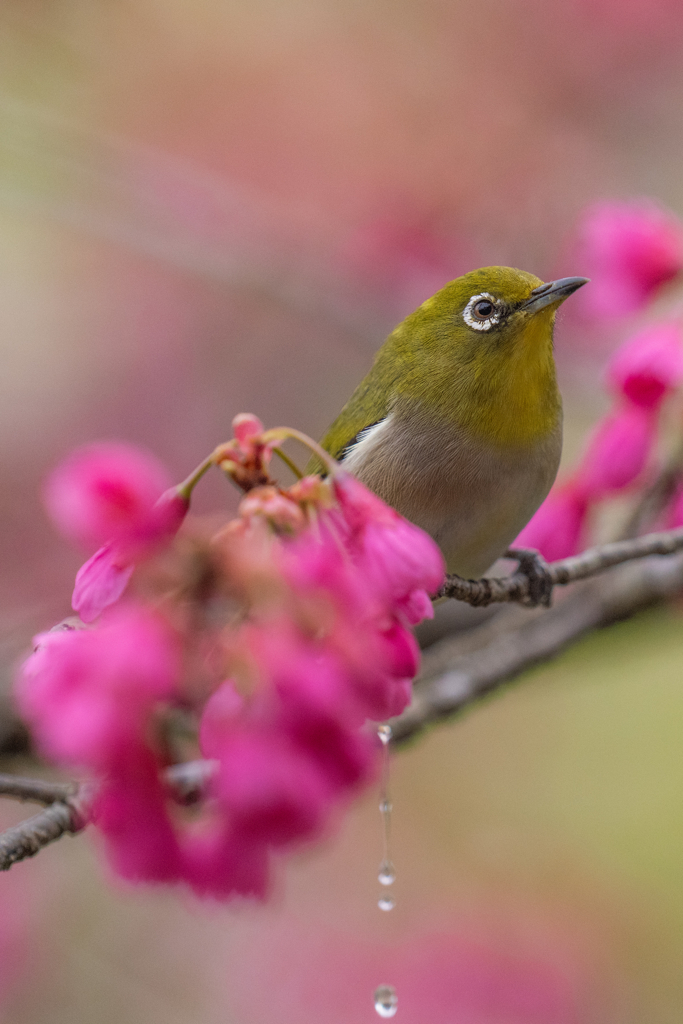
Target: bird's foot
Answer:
pixel 534 567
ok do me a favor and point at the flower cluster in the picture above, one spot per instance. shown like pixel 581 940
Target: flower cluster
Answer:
pixel 261 649
pixel 619 452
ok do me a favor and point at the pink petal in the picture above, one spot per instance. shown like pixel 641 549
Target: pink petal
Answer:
pixel 100 582
pixel 274 793
pixel 219 716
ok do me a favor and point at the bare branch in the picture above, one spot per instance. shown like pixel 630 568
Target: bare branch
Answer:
pixel 36 790
pixel 457 672
pixel 69 807
pixel 516 587
pixel 28 838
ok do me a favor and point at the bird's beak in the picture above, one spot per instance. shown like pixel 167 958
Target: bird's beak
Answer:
pixel 553 292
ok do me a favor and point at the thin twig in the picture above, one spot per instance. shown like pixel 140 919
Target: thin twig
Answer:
pixel 480 593
pixel 28 838
pixel 69 807
pixel 37 791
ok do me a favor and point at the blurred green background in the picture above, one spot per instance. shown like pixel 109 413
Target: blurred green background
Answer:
pixel 210 207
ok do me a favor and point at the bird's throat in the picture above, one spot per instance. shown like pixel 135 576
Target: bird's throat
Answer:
pixel 513 400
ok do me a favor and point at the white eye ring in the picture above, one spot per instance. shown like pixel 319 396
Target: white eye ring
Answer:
pixel 471 320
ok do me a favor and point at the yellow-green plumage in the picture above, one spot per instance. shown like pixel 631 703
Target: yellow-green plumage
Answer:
pixel 469 415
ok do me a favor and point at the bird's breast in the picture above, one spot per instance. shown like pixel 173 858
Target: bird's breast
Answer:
pixel 472 496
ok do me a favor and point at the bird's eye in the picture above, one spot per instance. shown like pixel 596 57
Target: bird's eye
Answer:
pixel 482 312
pixel 483 309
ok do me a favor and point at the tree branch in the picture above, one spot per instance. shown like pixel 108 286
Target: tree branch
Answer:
pixel 459 671
pixel 69 807
pixel 26 839
pixel 516 587
pixel 37 790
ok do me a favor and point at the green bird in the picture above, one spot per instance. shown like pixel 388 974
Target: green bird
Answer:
pixel 458 425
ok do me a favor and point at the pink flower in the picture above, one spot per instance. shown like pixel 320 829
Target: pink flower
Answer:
pixel 272 791
pixel 105 493
pixel 145 844
pixel 648 366
pixel 321 702
pixel 387 692
pixel 395 558
pixel 88 694
pixel 556 528
pixel 618 451
pixel 365 611
pixel 312 680
pixel 628 250
pixel 112 493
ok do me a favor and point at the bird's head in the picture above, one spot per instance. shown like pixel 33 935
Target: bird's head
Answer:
pixel 496 308
pixel 483 346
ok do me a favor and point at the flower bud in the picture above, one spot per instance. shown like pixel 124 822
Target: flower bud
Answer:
pixel 246 427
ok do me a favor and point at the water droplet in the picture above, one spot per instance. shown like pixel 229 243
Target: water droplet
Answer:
pixel 386 1000
pixel 387 874
pixel 385 806
pixel 384 733
pixel 386 903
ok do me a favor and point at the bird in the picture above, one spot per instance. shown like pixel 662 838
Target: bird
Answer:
pixel 458 424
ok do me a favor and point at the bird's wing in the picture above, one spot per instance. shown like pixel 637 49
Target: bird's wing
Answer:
pixel 365 408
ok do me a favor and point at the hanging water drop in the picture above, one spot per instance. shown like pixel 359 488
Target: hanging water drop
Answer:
pixel 386 1000
pixel 387 875
pixel 384 733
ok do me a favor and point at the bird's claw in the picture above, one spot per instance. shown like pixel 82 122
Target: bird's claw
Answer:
pixel 534 567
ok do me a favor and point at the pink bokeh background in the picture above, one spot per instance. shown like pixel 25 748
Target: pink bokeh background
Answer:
pixel 209 208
